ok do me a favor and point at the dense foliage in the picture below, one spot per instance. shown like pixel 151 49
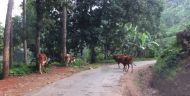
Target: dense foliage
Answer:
pixel 168 62
pixel 96 29
pixel 176 15
pixel 172 58
pixel 174 18
pixel 98 25
pixel 22 69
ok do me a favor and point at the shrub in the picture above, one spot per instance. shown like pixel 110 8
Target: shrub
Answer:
pixel 100 57
pixel 79 62
pixel 22 69
pixel 86 55
pixel 55 63
pixel 167 62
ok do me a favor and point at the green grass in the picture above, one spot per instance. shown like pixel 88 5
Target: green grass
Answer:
pixel 110 61
pixel 144 59
pixel 79 62
pixel 22 69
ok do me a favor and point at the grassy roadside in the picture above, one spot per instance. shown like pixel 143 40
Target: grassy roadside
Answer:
pixel 79 64
pixel 144 59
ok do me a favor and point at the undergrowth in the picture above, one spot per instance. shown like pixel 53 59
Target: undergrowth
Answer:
pixel 168 62
pixel 79 62
pixel 22 69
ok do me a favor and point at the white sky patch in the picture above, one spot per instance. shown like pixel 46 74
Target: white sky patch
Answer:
pixel 3 9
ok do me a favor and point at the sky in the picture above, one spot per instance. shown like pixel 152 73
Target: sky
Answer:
pixel 3 9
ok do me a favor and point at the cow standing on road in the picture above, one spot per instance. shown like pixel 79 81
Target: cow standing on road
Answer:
pixel 125 60
pixel 118 58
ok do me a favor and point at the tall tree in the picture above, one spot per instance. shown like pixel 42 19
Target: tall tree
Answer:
pixel 95 24
pixel 11 45
pixel 6 50
pixel 87 22
pixel 17 30
pixel 24 32
pixel 39 20
pixel 111 16
pixel 64 30
pixel 31 25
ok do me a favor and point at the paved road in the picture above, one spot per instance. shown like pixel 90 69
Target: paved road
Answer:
pixel 103 81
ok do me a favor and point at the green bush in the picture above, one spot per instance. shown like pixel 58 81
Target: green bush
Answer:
pixel 79 62
pixel 167 62
pixel 22 69
pixel 86 55
pixel 100 57
pixel 55 63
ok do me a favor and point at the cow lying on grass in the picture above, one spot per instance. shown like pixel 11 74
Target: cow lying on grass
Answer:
pixel 42 60
pixel 69 59
pixel 125 60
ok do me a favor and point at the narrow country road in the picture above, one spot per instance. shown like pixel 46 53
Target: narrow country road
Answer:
pixel 103 81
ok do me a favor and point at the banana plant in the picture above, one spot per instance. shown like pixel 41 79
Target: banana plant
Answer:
pixel 136 41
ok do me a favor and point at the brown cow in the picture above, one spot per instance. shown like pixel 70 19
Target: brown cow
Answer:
pixel 124 59
pixel 127 60
pixel 42 60
pixel 118 58
pixel 69 58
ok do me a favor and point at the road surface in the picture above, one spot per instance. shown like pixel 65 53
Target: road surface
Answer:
pixel 103 81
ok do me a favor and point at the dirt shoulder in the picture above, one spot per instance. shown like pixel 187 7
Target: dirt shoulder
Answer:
pixel 138 83
pixel 176 85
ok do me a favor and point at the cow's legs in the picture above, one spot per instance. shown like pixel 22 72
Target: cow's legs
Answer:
pixel 118 65
pixel 43 69
pixel 132 68
pixel 40 68
pixel 124 69
pixel 127 67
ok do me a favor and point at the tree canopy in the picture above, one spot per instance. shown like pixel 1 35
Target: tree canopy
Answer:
pixel 93 24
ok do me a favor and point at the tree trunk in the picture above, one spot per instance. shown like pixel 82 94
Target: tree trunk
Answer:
pixel 64 33
pixel 81 52
pixel 24 31
pixel 93 54
pixel 106 46
pixel 6 50
pixel 38 27
pixel 11 46
pixel 105 51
